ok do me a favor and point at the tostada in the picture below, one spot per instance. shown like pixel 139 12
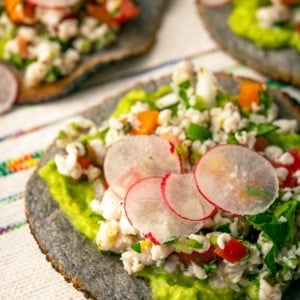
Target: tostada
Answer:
pixel 53 45
pixel 263 34
pixel 185 187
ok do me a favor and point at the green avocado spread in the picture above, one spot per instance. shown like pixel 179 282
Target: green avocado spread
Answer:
pixel 73 199
pixel 244 23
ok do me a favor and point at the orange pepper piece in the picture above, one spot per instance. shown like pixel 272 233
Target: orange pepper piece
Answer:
pixel 23 46
pixel 148 120
pixel 20 12
pixel 249 94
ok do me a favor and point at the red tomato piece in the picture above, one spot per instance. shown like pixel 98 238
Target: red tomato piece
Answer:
pixel 260 144
pixel 233 251
pixel 198 258
pixel 296 164
pixel 127 12
pixel 291 180
pixel 84 162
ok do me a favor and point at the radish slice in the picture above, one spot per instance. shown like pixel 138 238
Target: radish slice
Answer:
pixel 147 212
pixel 9 87
pixel 137 157
pixel 214 3
pixel 183 198
pixel 53 4
pixel 237 180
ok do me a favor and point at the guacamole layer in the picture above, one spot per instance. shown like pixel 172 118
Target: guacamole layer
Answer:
pixel 243 22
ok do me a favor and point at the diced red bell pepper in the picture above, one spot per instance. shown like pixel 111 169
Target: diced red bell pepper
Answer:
pixel 233 251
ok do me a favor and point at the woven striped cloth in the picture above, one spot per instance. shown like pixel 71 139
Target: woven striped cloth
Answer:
pixel 26 131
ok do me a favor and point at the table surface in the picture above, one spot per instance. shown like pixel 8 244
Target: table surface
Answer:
pixel 26 131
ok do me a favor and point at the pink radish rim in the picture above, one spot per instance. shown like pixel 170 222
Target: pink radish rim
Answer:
pixel 163 182
pixel 172 150
pixel 45 6
pixel 131 187
pixel 218 3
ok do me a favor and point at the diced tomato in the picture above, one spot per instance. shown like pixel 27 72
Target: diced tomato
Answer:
pixel 233 251
pixel 127 12
pixel 84 162
pixel 290 180
pixel 297 28
pixel 198 258
pixel 23 46
pixel 99 12
pixel 260 144
pixel 296 164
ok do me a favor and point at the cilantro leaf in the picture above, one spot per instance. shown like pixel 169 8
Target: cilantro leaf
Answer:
pixel 269 260
pixel 281 233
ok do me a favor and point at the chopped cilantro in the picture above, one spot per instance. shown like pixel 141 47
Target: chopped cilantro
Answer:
pixel 198 132
pixel 136 247
pixel 265 100
pixel 224 228
pixel 194 244
pixel 62 134
pixel 185 85
pixel 262 128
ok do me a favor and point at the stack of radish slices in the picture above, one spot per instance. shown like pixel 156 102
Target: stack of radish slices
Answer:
pixel 163 203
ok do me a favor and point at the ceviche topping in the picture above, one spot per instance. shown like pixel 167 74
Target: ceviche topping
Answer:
pixel 47 39
pixel 197 189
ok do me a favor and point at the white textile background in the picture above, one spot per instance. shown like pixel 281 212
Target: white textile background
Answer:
pixel 27 130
